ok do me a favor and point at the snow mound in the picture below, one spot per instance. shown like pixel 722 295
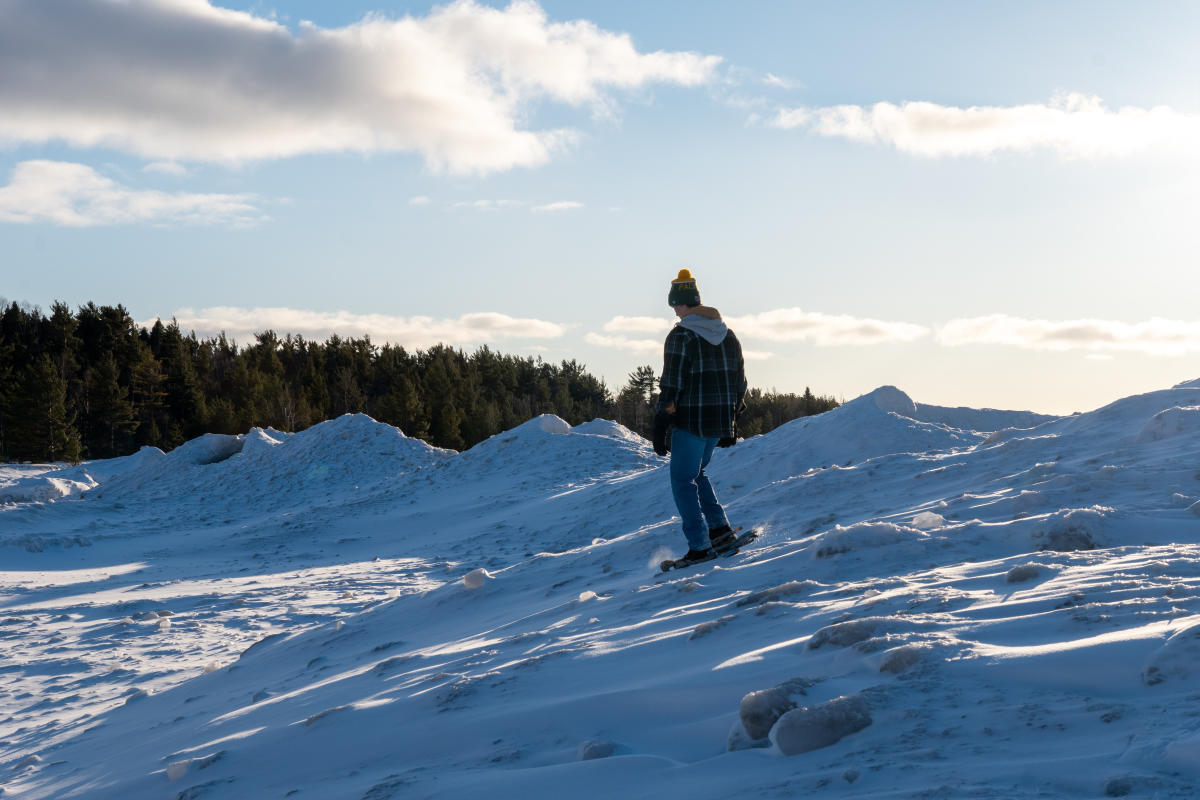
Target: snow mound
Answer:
pixel 547 423
pixel 1123 420
pixel 865 535
pixel 1169 422
pixel 877 424
pixel 547 453
pixel 1177 659
pixel 45 485
pixel 1073 529
pixel 891 400
pixel 984 420
pixel 1193 384
pixel 211 448
pixel 272 469
pixel 608 428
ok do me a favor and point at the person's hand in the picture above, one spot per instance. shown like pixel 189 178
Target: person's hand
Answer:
pixel 663 422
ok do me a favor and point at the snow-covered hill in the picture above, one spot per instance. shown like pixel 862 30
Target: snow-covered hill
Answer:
pixel 942 603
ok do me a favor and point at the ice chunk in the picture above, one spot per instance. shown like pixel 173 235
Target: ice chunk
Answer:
pixel 596 748
pixel 844 634
pixel 902 658
pixel 1177 659
pixel 1023 572
pixel 476 578
pixel 810 728
pixel 759 711
pixel 927 520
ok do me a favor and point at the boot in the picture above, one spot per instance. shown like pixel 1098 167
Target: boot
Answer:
pixel 721 537
pixel 696 556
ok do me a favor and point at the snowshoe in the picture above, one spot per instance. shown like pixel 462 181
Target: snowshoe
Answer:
pixel 738 540
pixel 690 558
pixel 721 537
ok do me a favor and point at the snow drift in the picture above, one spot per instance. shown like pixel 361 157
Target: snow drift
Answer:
pixel 942 602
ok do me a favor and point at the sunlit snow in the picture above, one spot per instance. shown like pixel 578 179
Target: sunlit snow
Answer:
pixel 942 603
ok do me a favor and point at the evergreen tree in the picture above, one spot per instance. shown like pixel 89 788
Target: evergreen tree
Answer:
pixel 446 429
pixel 7 395
pixel 402 407
pixel 45 429
pixel 634 408
pixel 147 392
pixel 183 396
pixel 97 377
pixel 111 413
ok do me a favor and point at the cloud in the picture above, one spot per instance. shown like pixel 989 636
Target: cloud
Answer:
pixel 75 195
pixel 639 324
pixel 1072 125
pixel 794 324
pixel 776 81
pixel 780 325
pixel 186 80
pixel 1157 337
pixel 487 205
pixel 419 200
pixel 418 332
pixel 166 168
pixel 625 343
pixel 562 205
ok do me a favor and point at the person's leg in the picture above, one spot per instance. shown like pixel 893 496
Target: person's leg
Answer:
pixel 687 457
pixel 714 514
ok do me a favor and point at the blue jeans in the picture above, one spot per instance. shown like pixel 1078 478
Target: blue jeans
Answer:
pixel 694 495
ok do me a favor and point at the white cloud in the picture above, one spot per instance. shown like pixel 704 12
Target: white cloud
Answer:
pixel 75 195
pixel 562 205
pixel 640 324
pixel 781 83
pixel 171 168
pixel 419 200
pixel 624 343
pixel 794 324
pixel 487 205
pixel 1073 125
pixel 417 332
pixel 780 325
pixel 185 80
pixel 1158 337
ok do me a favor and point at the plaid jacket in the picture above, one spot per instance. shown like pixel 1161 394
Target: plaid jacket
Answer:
pixel 705 381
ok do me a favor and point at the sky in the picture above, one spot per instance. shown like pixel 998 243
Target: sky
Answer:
pixel 988 205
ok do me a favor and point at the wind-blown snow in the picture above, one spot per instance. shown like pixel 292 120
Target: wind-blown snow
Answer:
pixel 942 603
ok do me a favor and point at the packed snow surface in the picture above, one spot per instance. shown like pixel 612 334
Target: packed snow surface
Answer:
pixel 941 603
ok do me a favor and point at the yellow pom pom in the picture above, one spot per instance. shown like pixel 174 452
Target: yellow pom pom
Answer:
pixel 685 275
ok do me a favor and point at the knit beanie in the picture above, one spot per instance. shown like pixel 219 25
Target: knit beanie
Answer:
pixel 683 290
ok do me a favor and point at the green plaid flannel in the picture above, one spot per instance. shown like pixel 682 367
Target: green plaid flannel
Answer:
pixel 706 382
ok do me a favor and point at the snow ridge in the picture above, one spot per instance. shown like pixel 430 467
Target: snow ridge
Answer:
pixel 942 602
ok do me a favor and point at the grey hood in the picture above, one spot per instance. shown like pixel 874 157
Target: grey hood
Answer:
pixel 706 323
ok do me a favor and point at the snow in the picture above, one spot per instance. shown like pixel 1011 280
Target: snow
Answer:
pixel 940 603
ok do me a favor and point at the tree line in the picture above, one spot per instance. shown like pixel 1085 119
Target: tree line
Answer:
pixel 93 384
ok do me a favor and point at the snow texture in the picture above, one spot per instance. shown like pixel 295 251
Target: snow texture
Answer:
pixel 940 603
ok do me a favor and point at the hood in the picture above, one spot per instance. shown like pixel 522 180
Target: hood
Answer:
pixel 706 323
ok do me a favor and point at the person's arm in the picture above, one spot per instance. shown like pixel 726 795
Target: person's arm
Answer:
pixel 674 374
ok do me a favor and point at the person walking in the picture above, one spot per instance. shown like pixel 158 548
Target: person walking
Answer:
pixel 701 392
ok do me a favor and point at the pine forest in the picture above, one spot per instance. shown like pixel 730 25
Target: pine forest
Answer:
pixel 94 384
